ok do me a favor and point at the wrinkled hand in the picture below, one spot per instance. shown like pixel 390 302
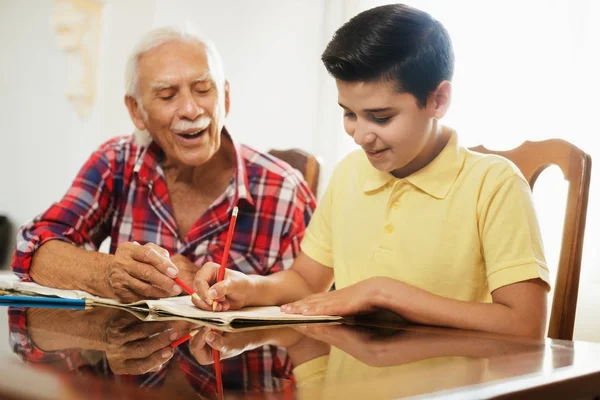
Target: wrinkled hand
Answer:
pixel 351 300
pixel 139 272
pixel 136 347
pixel 233 292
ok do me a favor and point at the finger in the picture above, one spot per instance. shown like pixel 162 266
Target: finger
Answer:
pixel 145 290
pixel 214 340
pixel 201 352
pixel 147 273
pixel 207 274
pixel 161 251
pixel 141 349
pixel 221 289
pixel 154 255
pixel 203 304
pixel 119 334
pixel 154 360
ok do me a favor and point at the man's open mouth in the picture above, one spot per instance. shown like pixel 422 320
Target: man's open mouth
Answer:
pixel 191 135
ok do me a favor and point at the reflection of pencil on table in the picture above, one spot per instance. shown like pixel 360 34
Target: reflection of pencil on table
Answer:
pixel 184 338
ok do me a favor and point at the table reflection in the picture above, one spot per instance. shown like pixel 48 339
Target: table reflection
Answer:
pixel 311 361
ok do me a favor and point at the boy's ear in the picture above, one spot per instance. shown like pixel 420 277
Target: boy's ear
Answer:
pixel 440 99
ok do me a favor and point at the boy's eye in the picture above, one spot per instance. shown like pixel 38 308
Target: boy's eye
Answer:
pixel 349 114
pixel 381 120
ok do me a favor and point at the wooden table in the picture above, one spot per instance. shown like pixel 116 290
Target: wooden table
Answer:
pixel 365 361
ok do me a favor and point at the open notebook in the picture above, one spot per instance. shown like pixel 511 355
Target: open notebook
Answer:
pixel 171 308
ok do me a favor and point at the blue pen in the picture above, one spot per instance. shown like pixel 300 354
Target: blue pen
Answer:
pixel 43 302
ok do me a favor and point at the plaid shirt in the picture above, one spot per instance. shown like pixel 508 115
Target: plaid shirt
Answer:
pixel 262 369
pixel 121 192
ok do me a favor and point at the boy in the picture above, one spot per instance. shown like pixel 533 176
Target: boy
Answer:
pixel 413 223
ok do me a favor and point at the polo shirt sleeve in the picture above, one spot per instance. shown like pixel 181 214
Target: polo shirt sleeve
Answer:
pixel 317 239
pixel 510 235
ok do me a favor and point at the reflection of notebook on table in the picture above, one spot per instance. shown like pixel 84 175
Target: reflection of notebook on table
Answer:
pixel 171 308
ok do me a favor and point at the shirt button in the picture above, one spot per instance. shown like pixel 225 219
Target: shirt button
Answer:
pixel 389 228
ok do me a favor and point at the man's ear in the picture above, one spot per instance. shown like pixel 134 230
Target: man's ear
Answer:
pixel 440 99
pixel 135 112
pixel 227 99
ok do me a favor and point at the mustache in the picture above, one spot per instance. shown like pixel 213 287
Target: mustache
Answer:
pixel 198 124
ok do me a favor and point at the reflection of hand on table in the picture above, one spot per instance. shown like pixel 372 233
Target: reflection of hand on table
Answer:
pixel 231 344
pixel 136 347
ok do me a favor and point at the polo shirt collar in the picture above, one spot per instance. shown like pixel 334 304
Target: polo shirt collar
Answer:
pixel 435 179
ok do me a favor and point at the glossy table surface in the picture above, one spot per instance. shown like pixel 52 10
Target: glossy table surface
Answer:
pixel 107 353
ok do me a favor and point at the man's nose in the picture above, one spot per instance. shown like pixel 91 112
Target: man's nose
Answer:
pixel 188 108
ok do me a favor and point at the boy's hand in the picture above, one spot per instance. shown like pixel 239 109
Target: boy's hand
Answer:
pixel 354 299
pixel 233 292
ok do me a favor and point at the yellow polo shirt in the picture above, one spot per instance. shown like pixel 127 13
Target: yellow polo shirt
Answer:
pixel 461 227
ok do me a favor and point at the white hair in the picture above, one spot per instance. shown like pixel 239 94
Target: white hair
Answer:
pixel 158 36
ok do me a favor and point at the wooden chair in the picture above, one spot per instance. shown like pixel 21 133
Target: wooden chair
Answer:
pixel 532 158
pixel 307 164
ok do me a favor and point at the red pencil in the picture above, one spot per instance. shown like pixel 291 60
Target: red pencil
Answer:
pixel 187 288
pixel 184 338
pixel 217 362
pixel 226 252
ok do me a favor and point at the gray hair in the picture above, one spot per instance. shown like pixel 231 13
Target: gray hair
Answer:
pixel 158 36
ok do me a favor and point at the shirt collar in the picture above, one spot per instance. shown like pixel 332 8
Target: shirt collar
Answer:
pixel 151 155
pixel 435 179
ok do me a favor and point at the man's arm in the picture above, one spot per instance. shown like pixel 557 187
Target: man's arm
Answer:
pixel 54 250
pixel 62 265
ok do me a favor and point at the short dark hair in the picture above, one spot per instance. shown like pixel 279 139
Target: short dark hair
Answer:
pixel 393 42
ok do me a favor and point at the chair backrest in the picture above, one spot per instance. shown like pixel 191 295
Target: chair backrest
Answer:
pixel 532 158
pixel 307 164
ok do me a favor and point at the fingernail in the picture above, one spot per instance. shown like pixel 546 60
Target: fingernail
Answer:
pixel 208 301
pixel 210 337
pixel 212 293
pixel 135 242
pixel 172 272
pixel 177 289
pixel 174 335
pixel 166 353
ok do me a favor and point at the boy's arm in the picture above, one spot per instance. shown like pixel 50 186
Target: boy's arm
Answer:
pixel 305 277
pixel 517 309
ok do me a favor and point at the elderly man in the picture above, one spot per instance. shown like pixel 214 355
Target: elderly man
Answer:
pixel 164 194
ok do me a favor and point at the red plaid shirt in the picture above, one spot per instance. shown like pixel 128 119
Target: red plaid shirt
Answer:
pixel 121 193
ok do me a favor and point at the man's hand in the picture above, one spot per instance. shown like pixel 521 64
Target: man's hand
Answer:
pixel 140 272
pixel 233 292
pixel 136 347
